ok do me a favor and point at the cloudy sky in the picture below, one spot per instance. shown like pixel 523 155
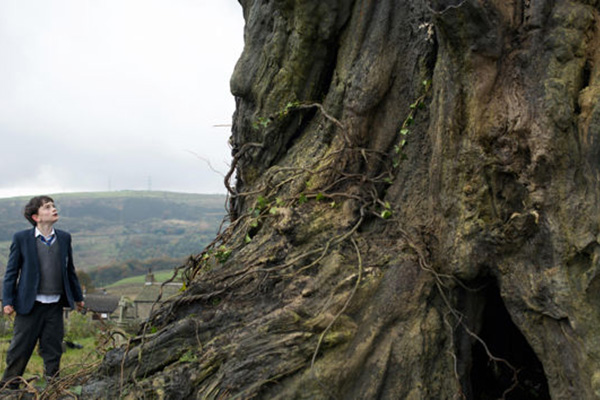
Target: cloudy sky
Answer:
pixel 102 95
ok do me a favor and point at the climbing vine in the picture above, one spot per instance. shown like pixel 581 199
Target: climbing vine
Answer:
pixel 272 201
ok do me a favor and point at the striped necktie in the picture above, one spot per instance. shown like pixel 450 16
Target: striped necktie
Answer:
pixel 47 241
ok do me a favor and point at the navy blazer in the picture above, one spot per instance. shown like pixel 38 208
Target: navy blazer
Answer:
pixel 22 277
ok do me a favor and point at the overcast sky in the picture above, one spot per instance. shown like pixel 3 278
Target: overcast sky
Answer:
pixel 100 95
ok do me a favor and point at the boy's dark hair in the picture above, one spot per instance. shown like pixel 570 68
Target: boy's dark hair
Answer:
pixel 33 206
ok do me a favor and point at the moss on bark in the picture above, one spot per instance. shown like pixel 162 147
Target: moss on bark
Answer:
pixel 368 227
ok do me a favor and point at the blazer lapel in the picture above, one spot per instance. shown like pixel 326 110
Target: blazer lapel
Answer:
pixel 32 249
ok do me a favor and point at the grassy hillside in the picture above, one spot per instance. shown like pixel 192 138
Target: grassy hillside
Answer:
pixel 132 286
pixel 117 227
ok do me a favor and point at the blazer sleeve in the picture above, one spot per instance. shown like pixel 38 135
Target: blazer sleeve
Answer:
pixel 15 260
pixel 72 275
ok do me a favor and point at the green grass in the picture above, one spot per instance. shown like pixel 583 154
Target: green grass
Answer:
pixel 76 364
pixel 160 276
pixel 73 360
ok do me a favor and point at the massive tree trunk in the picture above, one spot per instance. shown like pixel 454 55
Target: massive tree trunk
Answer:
pixel 414 213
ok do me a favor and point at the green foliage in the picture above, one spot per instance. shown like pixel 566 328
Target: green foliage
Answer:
pixel 261 203
pixel 188 356
pixel 6 326
pixel 387 211
pixel 85 280
pixel 263 207
pixel 79 326
pixel 261 122
pixel 222 254
pixel 288 107
pixel 273 210
pixel 76 390
pixel 264 122
pixel 405 132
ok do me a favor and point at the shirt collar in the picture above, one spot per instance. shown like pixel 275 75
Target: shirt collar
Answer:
pixel 38 233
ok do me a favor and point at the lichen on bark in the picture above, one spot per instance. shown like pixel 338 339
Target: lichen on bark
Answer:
pixel 379 244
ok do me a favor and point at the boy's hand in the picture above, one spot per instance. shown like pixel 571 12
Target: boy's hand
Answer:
pixel 8 310
pixel 79 305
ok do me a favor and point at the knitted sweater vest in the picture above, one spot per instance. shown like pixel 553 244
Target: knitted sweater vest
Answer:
pixel 51 280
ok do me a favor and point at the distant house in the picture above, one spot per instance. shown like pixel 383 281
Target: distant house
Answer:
pixel 102 305
pixel 150 294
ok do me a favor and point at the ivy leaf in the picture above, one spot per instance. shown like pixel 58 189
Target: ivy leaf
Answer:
pixel 386 214
pixel 76 390
pixel 261 203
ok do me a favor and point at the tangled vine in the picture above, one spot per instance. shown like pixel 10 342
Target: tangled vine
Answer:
pixel 272 201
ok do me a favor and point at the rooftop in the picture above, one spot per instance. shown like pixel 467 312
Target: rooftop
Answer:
pixel 101 303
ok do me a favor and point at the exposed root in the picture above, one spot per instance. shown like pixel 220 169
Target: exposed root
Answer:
pixel 337 316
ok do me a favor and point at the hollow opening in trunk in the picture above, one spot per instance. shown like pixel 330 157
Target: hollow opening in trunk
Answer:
pixel 492 379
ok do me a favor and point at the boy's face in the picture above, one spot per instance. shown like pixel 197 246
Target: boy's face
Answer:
pixel 47 214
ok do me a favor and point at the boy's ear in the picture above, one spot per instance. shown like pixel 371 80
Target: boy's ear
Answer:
pixel 35 217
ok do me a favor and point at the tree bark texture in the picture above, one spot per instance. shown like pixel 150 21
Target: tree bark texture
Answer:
pixel 414 213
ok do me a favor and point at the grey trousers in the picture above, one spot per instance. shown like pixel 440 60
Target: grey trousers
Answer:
pixel 43 323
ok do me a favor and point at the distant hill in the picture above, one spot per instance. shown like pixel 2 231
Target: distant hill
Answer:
pixel 115 228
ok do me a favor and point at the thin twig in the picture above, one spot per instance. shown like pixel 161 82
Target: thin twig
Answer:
pixel 451 6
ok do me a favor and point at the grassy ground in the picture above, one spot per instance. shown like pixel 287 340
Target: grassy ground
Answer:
pixel 73 360
pixel 76 363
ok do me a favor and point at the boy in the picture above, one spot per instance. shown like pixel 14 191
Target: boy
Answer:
pixel 39 281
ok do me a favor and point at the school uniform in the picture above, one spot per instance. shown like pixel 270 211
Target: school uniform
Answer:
pixel 40 280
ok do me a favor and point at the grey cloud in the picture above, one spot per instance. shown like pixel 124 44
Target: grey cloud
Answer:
pixel 115 91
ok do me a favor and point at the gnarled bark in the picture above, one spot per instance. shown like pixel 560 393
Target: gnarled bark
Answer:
pixel 415 213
